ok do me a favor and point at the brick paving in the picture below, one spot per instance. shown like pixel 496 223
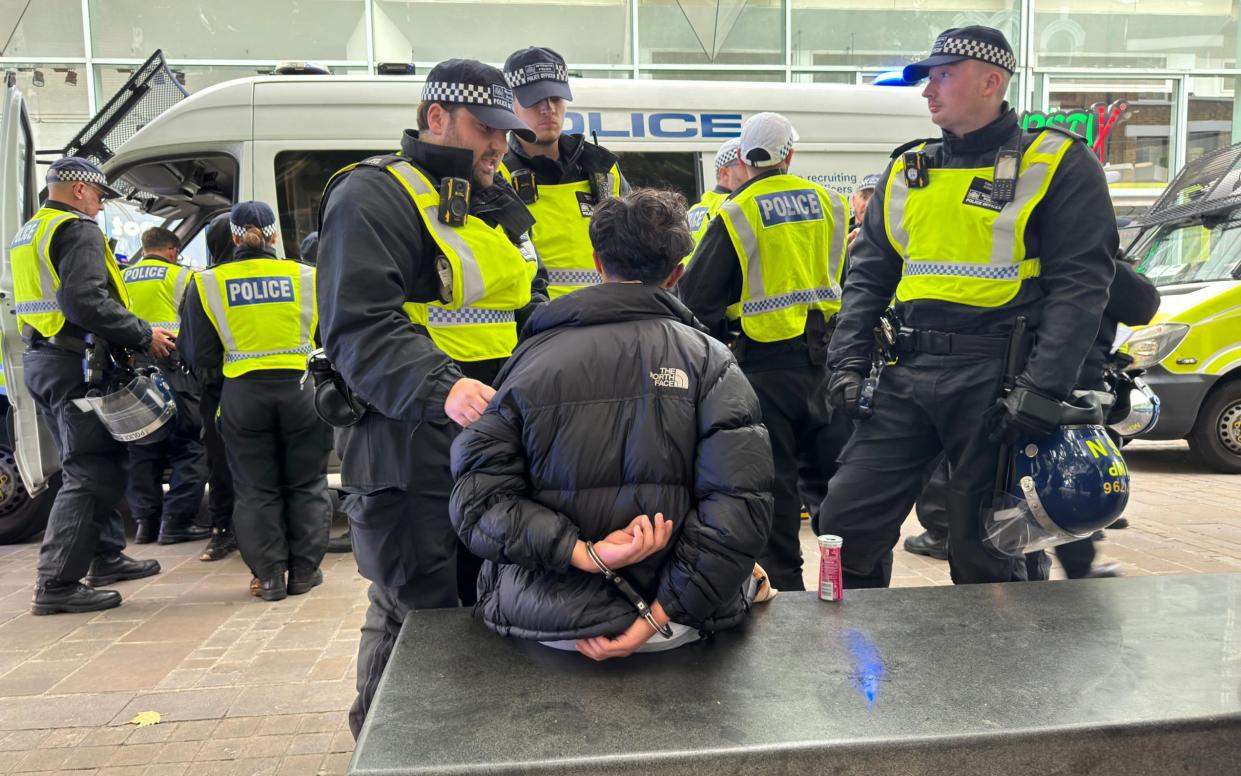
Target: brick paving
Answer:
pixel 246 687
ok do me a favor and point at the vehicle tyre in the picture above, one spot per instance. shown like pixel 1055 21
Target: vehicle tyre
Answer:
pixel 21 517
pixel 1216 438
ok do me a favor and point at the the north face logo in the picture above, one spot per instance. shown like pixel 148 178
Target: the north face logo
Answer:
pixel 670 377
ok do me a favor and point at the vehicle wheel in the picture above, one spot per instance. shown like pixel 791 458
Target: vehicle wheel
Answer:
pixel 21 517
pixel 1216 438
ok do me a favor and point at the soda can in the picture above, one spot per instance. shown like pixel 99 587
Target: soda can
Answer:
pixel 831 581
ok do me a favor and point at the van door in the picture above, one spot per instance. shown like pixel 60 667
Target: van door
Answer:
pixel 37 459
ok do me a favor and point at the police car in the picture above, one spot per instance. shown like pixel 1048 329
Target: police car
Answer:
pixel 1189 246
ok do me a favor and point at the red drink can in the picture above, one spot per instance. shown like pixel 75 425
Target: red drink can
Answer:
pixel 831 581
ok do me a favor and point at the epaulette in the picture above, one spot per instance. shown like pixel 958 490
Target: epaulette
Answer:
pixel 903 148
pixel 382 160
pixel 1057 128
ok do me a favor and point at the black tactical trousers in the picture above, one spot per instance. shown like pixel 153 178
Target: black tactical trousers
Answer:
pixel 183 451
pixel 805 444
pixel 932 504
pixel 278 454
pixel 924 405
pixel 219 479
pixel 403 540
pixel 83 522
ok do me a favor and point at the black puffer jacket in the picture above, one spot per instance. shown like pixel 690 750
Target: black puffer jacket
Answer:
pixel 616 405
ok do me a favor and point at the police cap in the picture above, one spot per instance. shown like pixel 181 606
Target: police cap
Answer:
pixel 870 182
pixel 252 213
pixel 985 44
pixel 75 169
pixel 535 74
pixel 480 88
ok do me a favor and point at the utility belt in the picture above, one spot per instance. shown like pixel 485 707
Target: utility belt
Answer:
pixel 946 343
pixel 75 345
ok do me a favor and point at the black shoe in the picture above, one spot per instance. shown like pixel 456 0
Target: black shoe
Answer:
pixel 222 543
pixel 177 530
pixel 1106 571
pixel 118 568
pixel 146 531
pixel 272 588
pixel 74 597
pixel 301 583
pixel 1119 523
pixel 928 545
pixel 342 543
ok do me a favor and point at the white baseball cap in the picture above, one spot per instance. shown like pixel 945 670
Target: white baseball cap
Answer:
pixel 766 138
pixel 727 153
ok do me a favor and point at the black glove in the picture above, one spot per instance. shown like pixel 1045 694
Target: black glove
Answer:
pixel 843 389
pixel 1022 414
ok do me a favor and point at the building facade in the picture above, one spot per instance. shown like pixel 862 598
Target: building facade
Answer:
pixel 1151 82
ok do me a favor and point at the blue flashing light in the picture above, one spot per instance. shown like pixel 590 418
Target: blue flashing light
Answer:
pixel 893 78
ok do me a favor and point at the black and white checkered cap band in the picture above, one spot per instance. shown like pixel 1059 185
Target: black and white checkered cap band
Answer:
pixel 976 49
pixel 494 95
pixel 240 231
pixel 78 176
pixel 727 157
pixel 539 71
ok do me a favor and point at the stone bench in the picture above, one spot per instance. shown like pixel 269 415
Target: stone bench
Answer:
pixel 1127 676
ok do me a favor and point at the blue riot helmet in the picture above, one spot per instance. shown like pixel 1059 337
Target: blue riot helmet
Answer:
pixel 1061 489
pixel 1143 411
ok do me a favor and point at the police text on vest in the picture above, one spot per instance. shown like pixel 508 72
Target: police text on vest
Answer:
pixel 244 291
pixel 783 207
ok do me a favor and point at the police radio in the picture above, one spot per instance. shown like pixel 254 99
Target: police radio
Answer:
pixel 917 175
pixel 454 201
pixel 526 187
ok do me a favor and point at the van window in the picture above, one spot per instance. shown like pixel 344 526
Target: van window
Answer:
pixel 300 178
pixel 678 171
pixel 1191 252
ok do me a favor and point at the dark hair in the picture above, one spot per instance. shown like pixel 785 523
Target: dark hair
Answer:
pixel 424 107
pixel 642 235
pixel 158 238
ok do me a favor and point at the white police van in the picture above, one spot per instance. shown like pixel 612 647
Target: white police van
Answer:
pixel 183 159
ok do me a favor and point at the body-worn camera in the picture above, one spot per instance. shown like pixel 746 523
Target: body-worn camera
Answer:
pixel 454 201
pixel 917 175
pixel 526 186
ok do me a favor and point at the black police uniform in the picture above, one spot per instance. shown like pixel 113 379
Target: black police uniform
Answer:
pixel 934 398
pixel 84 532
pixel 219 478
pixel 578 160
pixel 375 254
pixel 790 379
pixel 277 452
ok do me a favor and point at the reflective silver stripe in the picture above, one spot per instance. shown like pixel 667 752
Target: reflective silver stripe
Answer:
pixel 840 228
pixel 963 270
pixel 178 288
pixel 749 243
pixel 1003 231
pixel 242 355
pixel 216 303
pixel 47 283
pixel 573 277
pixel 898 196
pixel 438 316
pixel 471 275
pixel 791 299
pixel 307 290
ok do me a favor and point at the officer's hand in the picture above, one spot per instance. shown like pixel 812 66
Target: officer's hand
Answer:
pixel 1007 422
pixel 843 390
pixel 467 401
pixel 162 343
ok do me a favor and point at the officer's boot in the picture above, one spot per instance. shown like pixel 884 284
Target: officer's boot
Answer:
pixel 222 543
pixel 146 531
pixel 56 597
pixel 928 544
pixel 118 568
pixel 175 530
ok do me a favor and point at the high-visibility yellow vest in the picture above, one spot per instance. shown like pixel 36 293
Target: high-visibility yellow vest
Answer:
pixel 561 232
pixel 958 245
pixel 789 235
pixel 264 311
pixel 35 280
pixel 156 288
pixel 700 216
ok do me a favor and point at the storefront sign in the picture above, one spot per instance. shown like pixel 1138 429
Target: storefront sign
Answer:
pixel 1094 123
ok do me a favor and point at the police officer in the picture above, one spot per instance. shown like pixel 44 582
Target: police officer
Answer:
pixel 67 286
pixel 223 542
pixel 770 263
pixel 156 286
pixel 858 201
pixel 560 177
pixel 968 231
pixel 253 316
pixel 422 286
pixel 704 210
